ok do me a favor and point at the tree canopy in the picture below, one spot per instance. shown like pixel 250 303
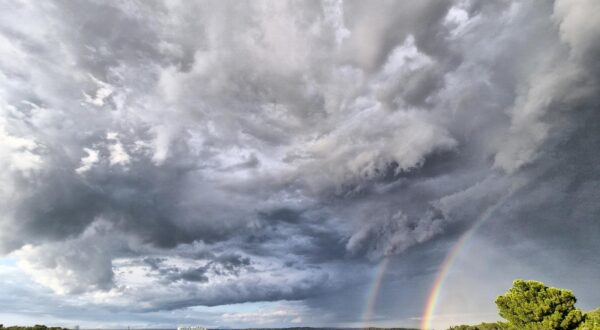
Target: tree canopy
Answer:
pixel 482 326
pixel 591 321
pixel 531 305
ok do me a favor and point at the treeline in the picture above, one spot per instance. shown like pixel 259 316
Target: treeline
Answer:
pixel 35 327
pixel 531 305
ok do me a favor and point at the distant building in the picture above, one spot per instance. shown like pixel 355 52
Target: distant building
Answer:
pixel 191 327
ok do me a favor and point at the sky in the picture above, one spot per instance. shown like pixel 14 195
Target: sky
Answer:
pixel 294 163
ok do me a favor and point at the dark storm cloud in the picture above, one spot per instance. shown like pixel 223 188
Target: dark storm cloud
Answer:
pixel 222 265
pixel 260 151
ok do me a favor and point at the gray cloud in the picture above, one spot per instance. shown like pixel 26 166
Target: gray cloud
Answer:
pixel 173 154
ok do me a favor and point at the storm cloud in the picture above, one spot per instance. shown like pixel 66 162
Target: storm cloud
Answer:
pixel 164 155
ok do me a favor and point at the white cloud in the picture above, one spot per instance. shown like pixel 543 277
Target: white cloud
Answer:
pixel 19 154
pixel 264 316
pixel 118 155
pixel 88 161
pixel 101 94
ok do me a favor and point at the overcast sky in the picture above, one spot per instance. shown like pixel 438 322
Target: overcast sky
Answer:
pixel 252 163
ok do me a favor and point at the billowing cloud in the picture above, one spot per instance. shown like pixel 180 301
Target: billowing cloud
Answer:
pixel 163 155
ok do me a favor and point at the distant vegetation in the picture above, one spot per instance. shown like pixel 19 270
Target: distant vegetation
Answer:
pixel 531 305
pixel 35 327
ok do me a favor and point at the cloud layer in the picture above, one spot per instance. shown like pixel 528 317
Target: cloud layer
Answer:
pixel 171 154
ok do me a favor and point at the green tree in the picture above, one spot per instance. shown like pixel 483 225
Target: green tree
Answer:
pixel 482 326
pixel 591 321
pixel 531 305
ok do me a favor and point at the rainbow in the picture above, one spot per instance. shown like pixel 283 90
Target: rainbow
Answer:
pixel 436 288
pixel 374 291
pixel 440 278
pixel 442 273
